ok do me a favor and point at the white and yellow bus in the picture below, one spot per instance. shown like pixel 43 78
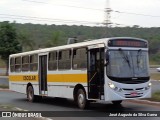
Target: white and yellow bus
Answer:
pixel 108 69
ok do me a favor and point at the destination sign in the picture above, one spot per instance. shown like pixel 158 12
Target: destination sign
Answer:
pixel 127 43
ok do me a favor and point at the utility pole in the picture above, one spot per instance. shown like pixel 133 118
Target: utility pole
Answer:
pixel 107 19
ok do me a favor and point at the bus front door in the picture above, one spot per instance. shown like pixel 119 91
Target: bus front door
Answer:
pixel 43 75
pixel 96 73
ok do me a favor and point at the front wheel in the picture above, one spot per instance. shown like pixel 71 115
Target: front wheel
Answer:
pixel 81 99
pixel 118 102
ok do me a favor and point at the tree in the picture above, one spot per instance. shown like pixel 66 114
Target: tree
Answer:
pixel 54 41
pixel 8 42
pixel 25 41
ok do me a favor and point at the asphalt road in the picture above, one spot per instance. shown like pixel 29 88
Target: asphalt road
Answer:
pixel 2 70
pixel 4 80
pixel 57 104
pixel 153 70
pixel 155 85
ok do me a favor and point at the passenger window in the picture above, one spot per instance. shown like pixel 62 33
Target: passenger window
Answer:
pixel 33 62
pixel 18 64
pixel 64 59
pixel 12 64
pixel 79 58
pixel 25 63
pixel 52 61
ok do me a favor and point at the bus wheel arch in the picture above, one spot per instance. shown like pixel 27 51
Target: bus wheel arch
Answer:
pixel 79 95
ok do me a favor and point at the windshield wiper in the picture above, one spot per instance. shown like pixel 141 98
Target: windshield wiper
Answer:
pixel 138 57
pixel 125 57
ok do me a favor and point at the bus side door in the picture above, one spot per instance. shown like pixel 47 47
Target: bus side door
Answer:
pixel 43 75
pixel 95 72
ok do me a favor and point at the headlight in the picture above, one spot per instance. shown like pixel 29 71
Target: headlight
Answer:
pixel 149 85
pixel 111 85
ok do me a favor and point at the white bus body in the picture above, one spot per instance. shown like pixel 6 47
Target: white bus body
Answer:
pixel 109 69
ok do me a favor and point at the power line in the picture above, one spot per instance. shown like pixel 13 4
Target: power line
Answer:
pixel 107 21
pixel 136 14
pixel 64 5
pixel 123 12
pixel 57 20
pixel 21 18
pixel 46 19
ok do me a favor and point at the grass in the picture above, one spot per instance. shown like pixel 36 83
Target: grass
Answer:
pixel 6 106
pixel 152 62
pixel 155 96
pixel 4 86
pixel 155 76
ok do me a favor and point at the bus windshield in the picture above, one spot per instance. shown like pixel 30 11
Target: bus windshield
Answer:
pixel 128 64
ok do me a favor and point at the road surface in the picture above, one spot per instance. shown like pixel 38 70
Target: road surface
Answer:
pixel 57 104
pixel 4 80
pixel 153 70
pixel 2 70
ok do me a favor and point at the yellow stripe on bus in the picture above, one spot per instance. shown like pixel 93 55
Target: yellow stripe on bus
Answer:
pixel 23 78
pixel 81 78
pixel 67 78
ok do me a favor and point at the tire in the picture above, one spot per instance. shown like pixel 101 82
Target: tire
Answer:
pixel 118 102
pixel 81 99
pixel 30 94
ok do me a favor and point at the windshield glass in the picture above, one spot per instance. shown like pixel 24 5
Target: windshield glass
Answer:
pixel 128 64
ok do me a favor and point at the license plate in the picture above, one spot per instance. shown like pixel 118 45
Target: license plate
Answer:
pixel 134 93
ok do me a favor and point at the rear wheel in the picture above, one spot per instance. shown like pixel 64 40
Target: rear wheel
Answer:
pixel 118 102
pixel 30 94
pixel 81 99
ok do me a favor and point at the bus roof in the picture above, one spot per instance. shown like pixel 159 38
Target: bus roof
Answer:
pixel 75 45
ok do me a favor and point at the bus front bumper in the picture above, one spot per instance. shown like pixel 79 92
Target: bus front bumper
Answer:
pixel 127 92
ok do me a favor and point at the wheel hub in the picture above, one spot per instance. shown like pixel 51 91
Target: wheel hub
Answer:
pixel 30 95
pixel 81 99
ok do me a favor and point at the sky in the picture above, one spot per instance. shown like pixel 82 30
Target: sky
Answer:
pixel 144 13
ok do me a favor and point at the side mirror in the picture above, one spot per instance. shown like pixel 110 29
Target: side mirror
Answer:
pixel 107 58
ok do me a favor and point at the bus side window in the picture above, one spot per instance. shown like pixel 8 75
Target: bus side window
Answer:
pixel 18 64
pixel 80 58
pixel 33 62
pixel 64 59
pixel 25 63
pixel 12 64
pixel 52 61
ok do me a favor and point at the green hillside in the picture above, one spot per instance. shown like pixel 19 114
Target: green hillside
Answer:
pixel 34 36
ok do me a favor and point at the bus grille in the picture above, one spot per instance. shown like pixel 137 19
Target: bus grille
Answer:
pixel 137 89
